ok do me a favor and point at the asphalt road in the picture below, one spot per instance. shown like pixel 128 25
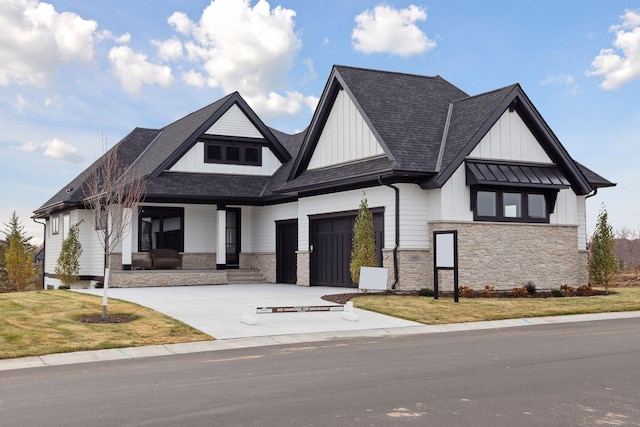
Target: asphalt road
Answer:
pixel 553 375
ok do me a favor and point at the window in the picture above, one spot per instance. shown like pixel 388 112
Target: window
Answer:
pixel 55 224
pixel 509 205
pixel 160 228
pixel 231 152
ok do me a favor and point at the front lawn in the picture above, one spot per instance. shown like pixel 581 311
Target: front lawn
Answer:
pixel 434 312
pixel 45 322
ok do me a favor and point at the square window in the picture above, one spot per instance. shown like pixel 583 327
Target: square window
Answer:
pixel 252 155
pixel 214 153
pixel 537 206
pixel 486 203
pixel 232 154
pixel 512 205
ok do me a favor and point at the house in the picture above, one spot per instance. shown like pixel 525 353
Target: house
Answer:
pixel 231 194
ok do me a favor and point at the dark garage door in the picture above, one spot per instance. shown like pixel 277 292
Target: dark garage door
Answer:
pixel 331 238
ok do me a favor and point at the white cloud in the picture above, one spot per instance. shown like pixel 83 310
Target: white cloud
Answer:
pixel 194 78
pixel 169 50
pixel 123 39
pixel 55 148
pixel 133 69
pixel 388 30
pixel 61 150
pixel 621 64
pixel 311 73
pixel 20 103
pixel 36 39
pixel 239 47
pixel 325 41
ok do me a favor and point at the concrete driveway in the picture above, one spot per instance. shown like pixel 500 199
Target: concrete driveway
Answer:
pixel 218 310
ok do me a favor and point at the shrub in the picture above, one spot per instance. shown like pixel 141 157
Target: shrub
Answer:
pixel 568 290
pixel 520 292
pixel 585 291
pixel 530 287
pixel 557 293
pixel 465 292
pixel 488 292
pixel 426 292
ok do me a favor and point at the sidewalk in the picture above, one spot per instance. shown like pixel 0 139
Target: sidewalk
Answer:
pixel 234 343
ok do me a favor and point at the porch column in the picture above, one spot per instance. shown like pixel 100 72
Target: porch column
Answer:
pixel 127 239
pixel 221 236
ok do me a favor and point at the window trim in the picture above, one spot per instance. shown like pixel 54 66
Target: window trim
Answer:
pixel 550 197
pixel 168 213
pixel 55 224
pixel 224 145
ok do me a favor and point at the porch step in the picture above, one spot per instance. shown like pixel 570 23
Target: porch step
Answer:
pixel 245 275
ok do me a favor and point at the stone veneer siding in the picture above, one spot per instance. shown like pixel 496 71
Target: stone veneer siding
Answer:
pixel 190 261
pixel 415 269
pixel 147 278
pixel 302 271
pixel 264 262
pixel 508 255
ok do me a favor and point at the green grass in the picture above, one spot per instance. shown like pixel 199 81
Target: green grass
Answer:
pixel 45 322
pixel 444 310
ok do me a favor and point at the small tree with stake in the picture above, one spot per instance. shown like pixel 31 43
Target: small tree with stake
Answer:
pixel 363 253
pixel 112 190
pixel 602 261
pixel 68 266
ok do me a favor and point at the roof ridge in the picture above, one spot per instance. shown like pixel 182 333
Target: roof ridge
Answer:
pixel 400 73
pixel 471 97
pixel 221 100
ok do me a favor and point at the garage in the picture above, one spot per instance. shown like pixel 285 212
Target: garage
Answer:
pixel 330 243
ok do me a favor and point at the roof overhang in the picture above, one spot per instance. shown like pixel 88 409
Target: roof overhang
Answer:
pixel 509 174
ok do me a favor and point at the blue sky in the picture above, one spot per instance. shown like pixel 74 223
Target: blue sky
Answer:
pixel 75 73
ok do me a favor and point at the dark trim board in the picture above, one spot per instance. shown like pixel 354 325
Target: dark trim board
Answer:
pixel 286 251
pixel 82 277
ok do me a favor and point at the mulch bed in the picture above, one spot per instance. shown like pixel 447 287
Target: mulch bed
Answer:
pixel 113 318
pixel 344 298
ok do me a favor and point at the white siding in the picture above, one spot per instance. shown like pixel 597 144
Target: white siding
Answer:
pixel 510 139
pixel 414 217
pixel 234 123
pixel 262 227
pixel 92 258
pixel 455 202
pixel 581 203
pixel 53 246
pixel 193 161
pixel 345 136
pixel 347 201
pixel 566 210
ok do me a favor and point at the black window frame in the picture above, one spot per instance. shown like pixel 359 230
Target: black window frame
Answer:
pixel 163 212
pixel 549 197
pixel 226 145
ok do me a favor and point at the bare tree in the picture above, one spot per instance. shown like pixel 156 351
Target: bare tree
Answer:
pixel 113 191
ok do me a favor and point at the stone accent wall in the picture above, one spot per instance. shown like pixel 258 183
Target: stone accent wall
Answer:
pixel 508 255
pixel 199 261
pixel 147 278
pixel 264 262
pixel 415 268
pixel 303 278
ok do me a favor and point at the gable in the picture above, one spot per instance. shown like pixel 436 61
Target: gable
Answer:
pixel 510 139
pixel 345 137
pixel 234 123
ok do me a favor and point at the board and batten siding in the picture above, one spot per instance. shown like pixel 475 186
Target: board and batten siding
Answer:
pixel 234 123
pixel 92 258
pixel 193 161
pixel 510 139
pixel 345 136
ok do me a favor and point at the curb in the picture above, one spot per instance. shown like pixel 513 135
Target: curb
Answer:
pixel 236 343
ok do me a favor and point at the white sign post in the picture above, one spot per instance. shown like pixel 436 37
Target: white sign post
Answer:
pixel 445 248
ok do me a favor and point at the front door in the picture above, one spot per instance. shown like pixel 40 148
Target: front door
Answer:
pixel 233 238
pixel 286 247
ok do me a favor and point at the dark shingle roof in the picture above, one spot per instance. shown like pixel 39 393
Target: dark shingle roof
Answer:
pixel 408 112
pixel 594 179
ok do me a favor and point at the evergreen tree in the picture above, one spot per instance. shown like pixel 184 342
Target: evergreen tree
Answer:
pixel 18 255
pixel 363 253
pixel 68 267
pixel 602 261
